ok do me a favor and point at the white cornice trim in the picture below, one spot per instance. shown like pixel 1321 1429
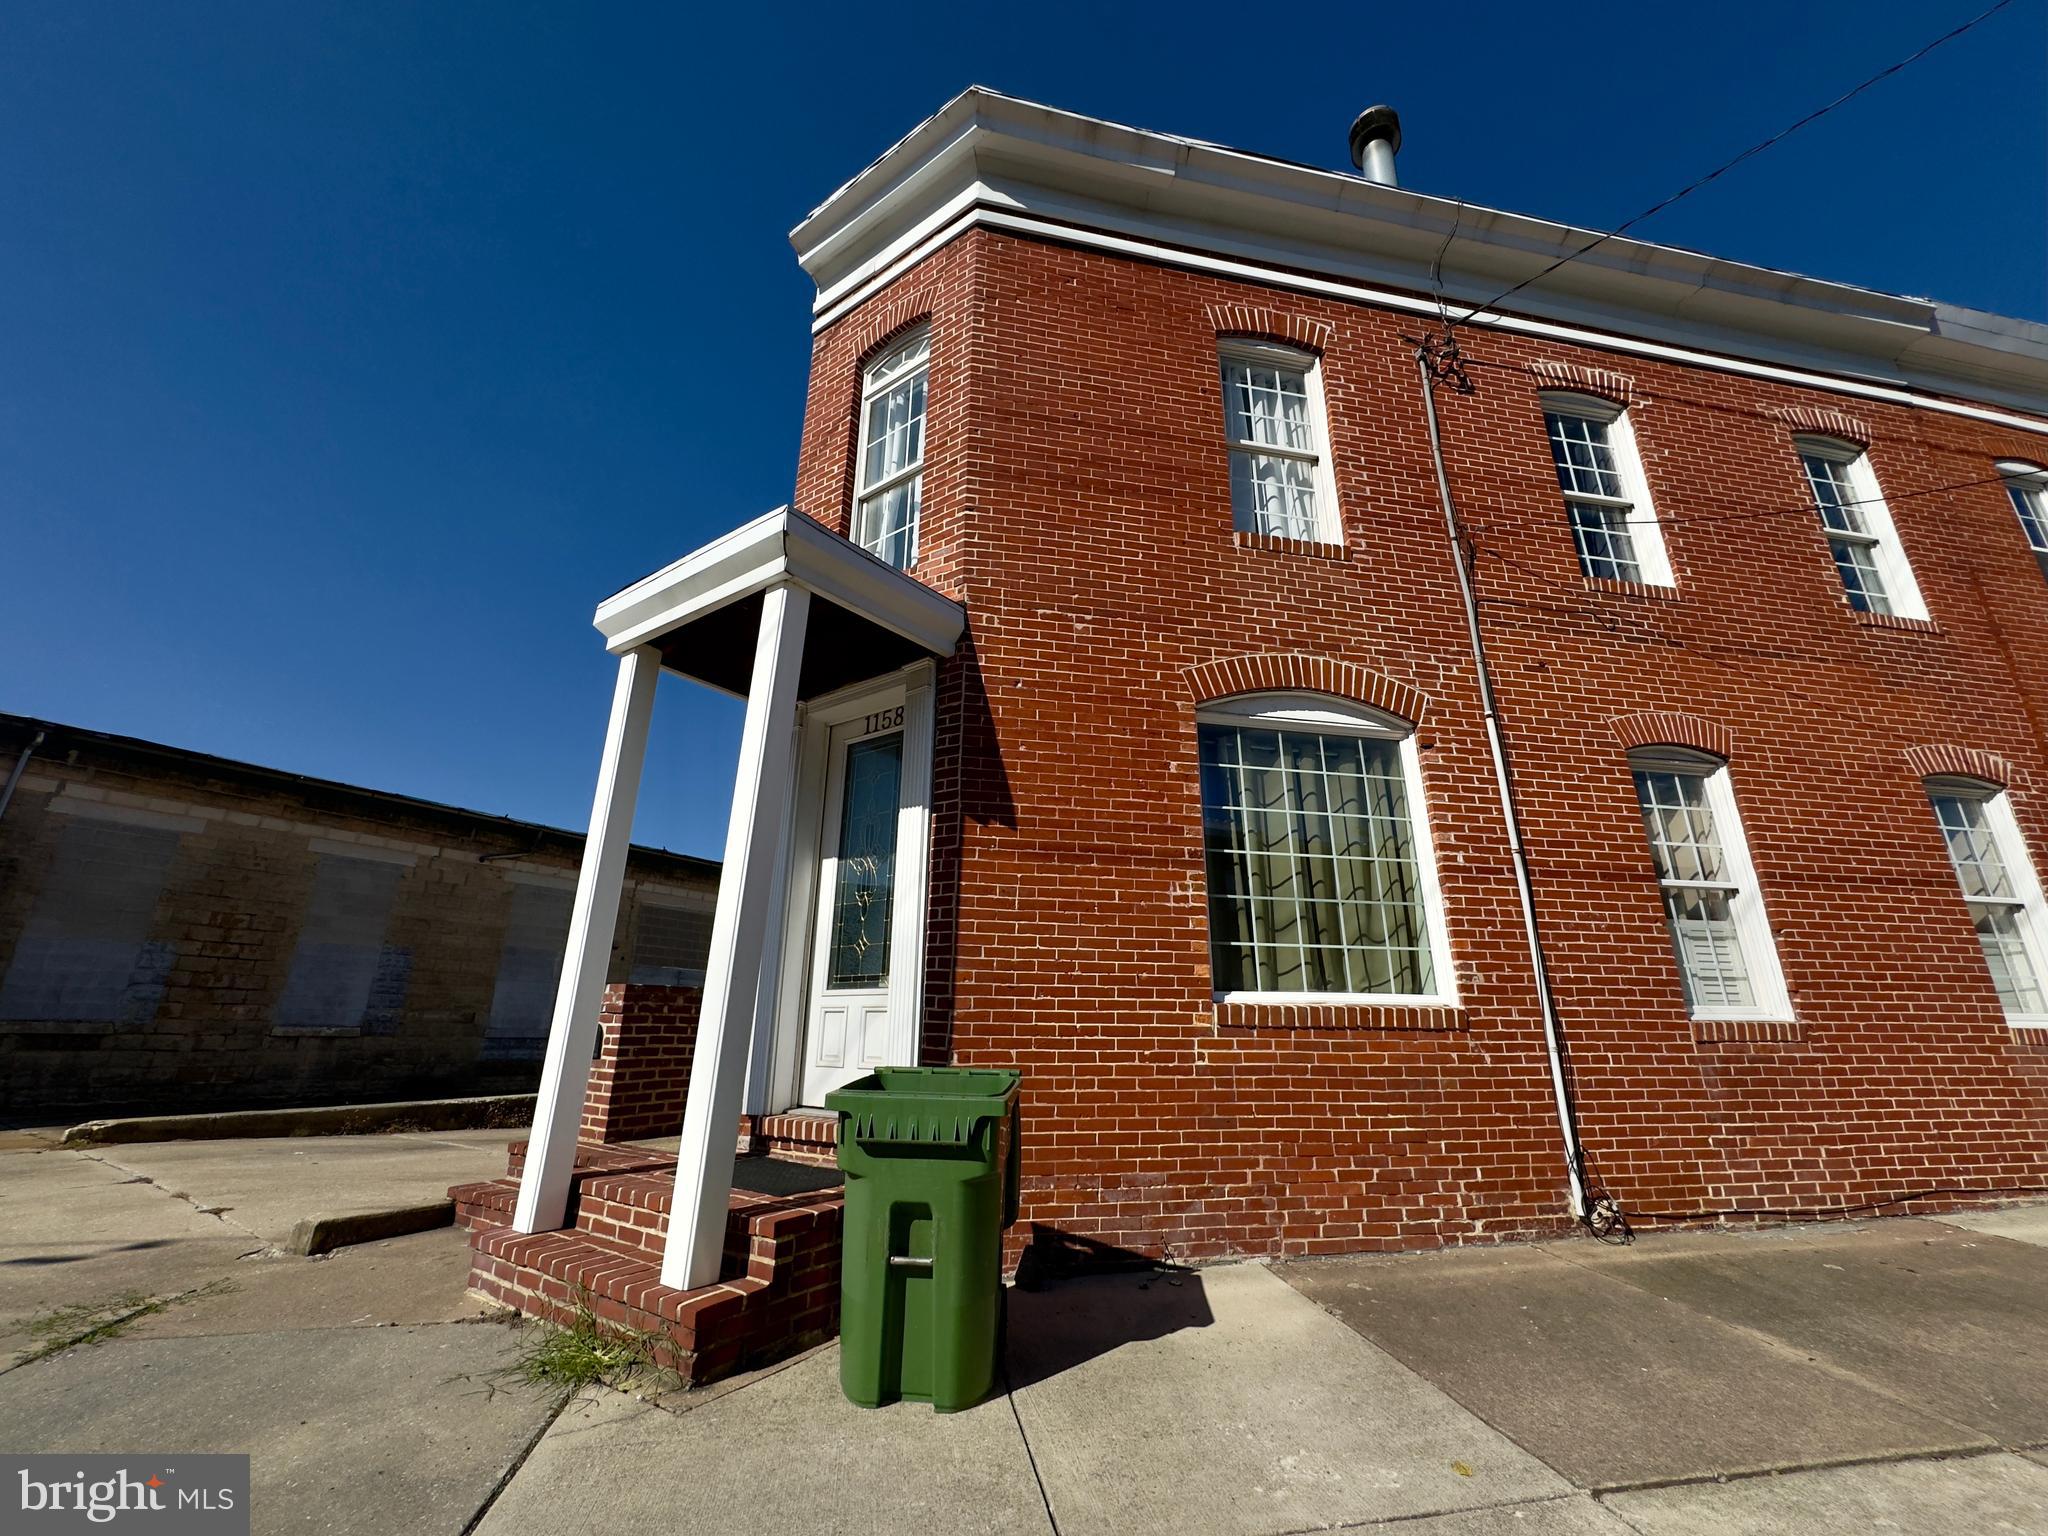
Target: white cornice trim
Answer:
pixel 881 274
pixel 1180 200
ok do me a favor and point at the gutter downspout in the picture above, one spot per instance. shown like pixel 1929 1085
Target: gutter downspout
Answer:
pixel 20 764
pixel 1574 1161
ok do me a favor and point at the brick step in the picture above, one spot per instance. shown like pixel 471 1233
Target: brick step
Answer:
pixel 804 1138
pixel 626 1212
pixel 599 1157
pixel 482 1206
pixel 784 1297
pixel 800 1138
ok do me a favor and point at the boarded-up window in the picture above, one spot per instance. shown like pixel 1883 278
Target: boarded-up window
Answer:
pixel 529 966
pixel 85 953
pixel 344 976
pixel 670 945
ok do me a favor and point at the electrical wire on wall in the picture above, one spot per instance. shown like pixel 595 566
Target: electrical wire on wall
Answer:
pixel 1442 365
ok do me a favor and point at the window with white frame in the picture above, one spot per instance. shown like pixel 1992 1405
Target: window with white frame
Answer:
pixel 1614 526
pixel 1998 884
pixel 1720 935
pixel 2027 486
pixel 1858 525
pixel 1280 482
pixel 1321 879
pixel 892 450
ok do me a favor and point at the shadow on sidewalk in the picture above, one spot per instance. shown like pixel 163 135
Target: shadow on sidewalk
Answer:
pixel 1076 1298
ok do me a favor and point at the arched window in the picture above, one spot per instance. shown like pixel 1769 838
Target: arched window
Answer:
pixel 1997 878
pixel 1720 935
pixel 892 450
pixel 1321 880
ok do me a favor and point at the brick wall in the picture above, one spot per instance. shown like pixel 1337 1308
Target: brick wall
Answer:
pixel 641 1078
pixel 173 934
pixel 1077 500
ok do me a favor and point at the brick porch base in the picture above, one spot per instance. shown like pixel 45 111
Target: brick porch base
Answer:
pixel 778 1287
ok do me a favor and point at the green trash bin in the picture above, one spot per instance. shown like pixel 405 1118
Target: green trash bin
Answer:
pixel 930 1158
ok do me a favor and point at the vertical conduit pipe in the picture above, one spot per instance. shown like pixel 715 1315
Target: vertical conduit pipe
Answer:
pixel 1504 780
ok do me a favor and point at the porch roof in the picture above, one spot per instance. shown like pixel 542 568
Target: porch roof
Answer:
pixel 702 612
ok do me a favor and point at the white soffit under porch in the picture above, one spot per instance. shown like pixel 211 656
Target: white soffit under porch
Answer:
pixel 779 546
pixel 985 156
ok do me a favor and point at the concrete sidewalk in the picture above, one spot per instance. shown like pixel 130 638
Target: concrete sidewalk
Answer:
pixel 159 1218
pixel 1892 1376
pixel 264 1186
pixel 1220 1402
pixel 1821 1380
pixel 1694 1355
pixel 372 1393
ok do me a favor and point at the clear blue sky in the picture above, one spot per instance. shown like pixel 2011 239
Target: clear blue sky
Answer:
pixel 350 353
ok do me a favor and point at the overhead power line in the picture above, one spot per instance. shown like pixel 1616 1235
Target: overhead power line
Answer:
pixel 1727 166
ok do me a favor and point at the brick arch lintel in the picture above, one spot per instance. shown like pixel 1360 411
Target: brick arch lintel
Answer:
pixel 1271 325
pixel 1942 760
pixel 1600 383
pixel 877 329
pixel 1289 672
pixel 1671 728
pixel 1824 422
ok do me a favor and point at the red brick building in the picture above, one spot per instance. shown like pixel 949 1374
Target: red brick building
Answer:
pixel 1184 802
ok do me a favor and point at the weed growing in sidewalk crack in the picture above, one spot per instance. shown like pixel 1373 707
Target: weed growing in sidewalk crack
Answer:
pixel 95 1322
pixel 592 1352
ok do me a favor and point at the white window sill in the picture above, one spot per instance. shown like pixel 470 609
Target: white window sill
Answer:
pixel 1338 999
pixel 1748 1016
pixel 2027 1020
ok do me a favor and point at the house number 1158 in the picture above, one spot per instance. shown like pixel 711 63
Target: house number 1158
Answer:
pixel 887 719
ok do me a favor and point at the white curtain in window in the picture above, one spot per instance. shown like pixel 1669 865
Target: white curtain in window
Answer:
pixel 1266 408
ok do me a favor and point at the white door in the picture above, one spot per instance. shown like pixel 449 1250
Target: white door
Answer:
pixel 846 1017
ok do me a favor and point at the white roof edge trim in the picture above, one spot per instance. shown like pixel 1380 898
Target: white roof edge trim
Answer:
pixel 1195 195
pixel 1384 298
pixel 779 546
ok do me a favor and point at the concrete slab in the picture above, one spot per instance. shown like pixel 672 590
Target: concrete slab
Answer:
pixel 2021 1223
pixel 351 1430
pixel 267 1185
pixel 418 1279
pixel 786 1454
pixel 1609 1383
pixel 1579 1515
pixel 1230 1404
pixel 512 1112
pixel 1974 1493
pixel 1945 1319
pixel 74 1231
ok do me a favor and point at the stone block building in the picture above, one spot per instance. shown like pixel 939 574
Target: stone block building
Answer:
pixel 182 930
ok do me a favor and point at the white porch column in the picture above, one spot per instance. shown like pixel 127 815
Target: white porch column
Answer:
pixel 768 994
pixel 572 1035
pixel 732 974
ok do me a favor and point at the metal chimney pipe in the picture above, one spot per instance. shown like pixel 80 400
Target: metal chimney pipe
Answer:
pixel 1375 140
